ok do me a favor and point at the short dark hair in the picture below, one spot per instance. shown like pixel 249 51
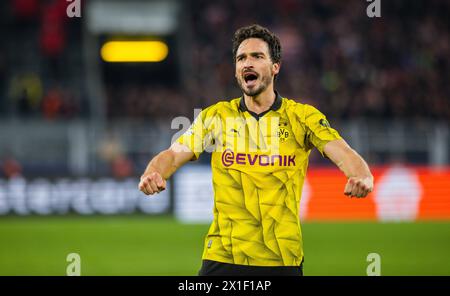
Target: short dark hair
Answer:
pixel 257 31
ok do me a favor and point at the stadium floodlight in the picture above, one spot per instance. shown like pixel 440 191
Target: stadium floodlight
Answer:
pixel 134 51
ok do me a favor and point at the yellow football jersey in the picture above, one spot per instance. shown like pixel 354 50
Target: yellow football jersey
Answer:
pixel 258 165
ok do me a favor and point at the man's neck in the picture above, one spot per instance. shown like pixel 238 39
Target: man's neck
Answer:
pixel 261 102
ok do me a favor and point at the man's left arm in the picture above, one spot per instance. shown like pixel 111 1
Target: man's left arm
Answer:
pixel 360 179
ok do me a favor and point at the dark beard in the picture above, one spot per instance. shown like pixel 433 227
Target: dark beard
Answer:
pixel 255 92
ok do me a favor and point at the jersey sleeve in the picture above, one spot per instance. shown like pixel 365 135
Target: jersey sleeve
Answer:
pixel 318 130
pixel 199 135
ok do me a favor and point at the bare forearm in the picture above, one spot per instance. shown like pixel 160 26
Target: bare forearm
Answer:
pixel 163 163
pixel 360 180
pixel 353 165
pixel 162 166
pixel 168 161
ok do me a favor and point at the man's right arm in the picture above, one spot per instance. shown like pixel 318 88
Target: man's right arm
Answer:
pixel 162 166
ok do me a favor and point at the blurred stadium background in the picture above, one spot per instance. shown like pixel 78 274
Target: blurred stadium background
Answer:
pixel 77 127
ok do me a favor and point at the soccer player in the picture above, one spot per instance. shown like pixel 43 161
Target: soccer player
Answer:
pixel 260 146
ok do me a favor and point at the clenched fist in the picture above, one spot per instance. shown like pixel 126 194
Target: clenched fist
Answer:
pixel 152 183
pixel 358 187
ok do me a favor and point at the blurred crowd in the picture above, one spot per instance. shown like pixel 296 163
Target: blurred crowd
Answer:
pixel 335 56
pixel 36 59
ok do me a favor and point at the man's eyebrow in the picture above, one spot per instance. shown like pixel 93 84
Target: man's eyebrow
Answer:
pixel 254 53
pixel 257 53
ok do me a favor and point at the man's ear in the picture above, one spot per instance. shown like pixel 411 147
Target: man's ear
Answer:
pixel 276 68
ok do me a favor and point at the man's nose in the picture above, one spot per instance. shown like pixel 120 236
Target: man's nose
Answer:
pixel 248 64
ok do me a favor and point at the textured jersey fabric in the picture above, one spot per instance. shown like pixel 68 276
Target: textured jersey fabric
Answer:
pixel 258 166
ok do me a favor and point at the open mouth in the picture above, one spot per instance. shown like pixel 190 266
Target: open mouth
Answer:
pixel 250 78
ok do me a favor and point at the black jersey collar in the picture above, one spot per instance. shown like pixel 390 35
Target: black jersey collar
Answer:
pixel 275 106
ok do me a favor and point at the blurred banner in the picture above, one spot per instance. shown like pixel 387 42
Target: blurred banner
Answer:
pixel 402 193
pixel 79 196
